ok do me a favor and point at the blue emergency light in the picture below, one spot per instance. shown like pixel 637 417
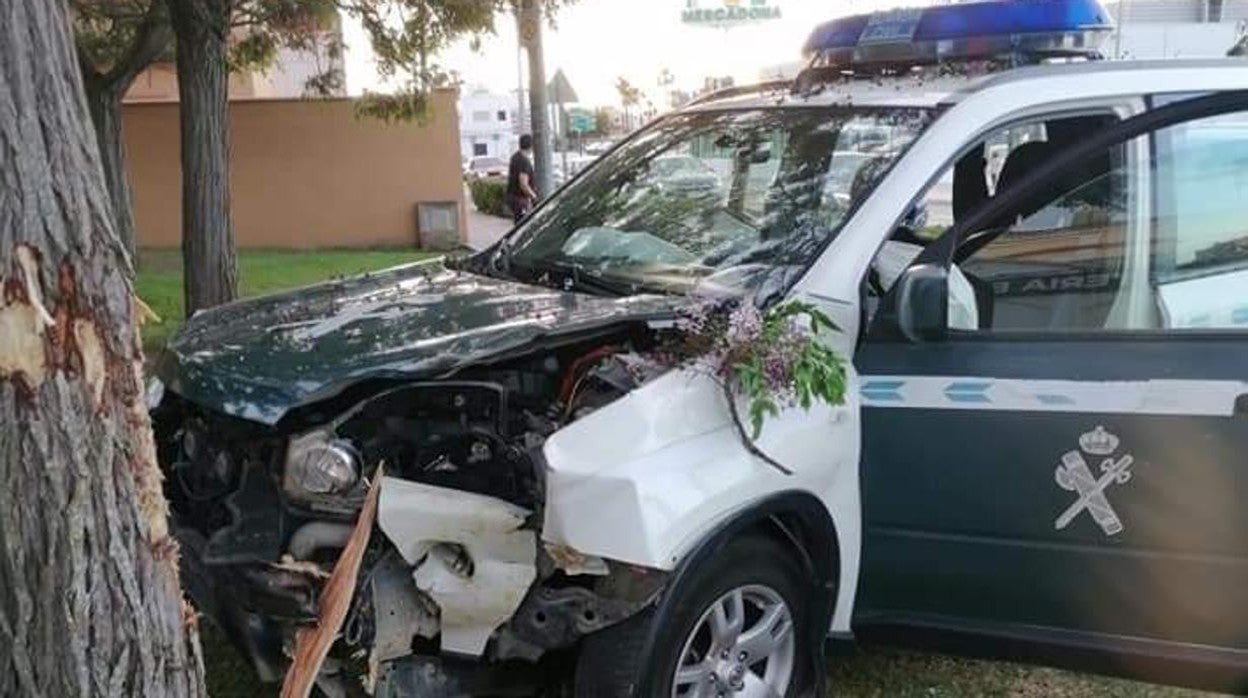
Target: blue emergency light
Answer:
pixel 980 30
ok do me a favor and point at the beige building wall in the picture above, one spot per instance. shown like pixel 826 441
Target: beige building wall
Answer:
pixel 159 83
pixel 304 173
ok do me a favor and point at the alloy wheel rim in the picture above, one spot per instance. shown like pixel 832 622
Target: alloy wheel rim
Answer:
pixel 743 646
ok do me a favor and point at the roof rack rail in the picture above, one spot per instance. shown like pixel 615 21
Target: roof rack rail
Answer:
pixel 740 90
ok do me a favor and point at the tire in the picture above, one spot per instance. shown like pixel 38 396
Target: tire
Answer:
pixel 609 665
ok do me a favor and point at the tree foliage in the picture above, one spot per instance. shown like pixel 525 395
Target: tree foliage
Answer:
pixel 602 121
pixel 406 37
pixel 119 38
pixel 260 28
pixel 630 95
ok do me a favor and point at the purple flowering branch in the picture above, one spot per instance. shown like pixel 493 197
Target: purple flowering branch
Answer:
pixel 768 356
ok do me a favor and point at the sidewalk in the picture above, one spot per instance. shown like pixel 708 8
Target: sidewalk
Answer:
pixel 484 230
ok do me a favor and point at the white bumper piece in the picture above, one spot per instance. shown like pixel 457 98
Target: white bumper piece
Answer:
pixel 417 518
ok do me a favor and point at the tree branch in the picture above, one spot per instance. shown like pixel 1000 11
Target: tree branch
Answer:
pixel 151 39
pixel 746 441
pixel 90 75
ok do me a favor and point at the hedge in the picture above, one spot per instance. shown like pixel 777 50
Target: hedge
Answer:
pixel 489 196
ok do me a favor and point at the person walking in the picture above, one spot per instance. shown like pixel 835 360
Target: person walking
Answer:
pixel 521 192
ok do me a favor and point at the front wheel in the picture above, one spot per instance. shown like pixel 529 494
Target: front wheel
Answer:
pixel 738 630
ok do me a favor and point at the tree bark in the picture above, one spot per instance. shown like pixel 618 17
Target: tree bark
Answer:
pixel 90 601
pixel 201 28
pixel 104 103
pixel 105 89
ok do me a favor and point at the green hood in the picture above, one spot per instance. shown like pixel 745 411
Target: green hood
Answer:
pixel 259 358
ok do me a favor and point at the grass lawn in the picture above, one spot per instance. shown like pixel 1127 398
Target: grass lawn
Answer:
pixel 880 673
pixel 159 281
pixel 866 673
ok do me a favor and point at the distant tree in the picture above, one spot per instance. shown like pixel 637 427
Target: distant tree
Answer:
pixel 115 42
pixel 214 37
pixel 90 601
pixel 666 78
pixel 405 35
pixel 117 39
pixel 630 97
pixel 602 121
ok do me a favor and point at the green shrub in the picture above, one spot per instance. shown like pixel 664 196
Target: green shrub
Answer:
pixel 489 196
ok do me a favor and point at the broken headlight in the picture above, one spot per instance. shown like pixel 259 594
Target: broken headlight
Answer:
pixel 317 464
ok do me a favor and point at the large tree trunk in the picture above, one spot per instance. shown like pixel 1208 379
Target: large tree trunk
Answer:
pixel 90 602
pixel 201 28
pixel 104 102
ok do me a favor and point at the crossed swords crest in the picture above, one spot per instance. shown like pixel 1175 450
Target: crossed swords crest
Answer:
pixel 1076 475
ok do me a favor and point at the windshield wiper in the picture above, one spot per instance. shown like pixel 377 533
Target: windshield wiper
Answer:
pixel 574 276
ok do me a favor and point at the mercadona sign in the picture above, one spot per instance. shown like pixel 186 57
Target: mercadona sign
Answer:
pixel 729 12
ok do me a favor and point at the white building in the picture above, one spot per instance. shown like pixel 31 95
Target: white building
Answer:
pixel 487 124
pixel 289 75
pixel 1175 28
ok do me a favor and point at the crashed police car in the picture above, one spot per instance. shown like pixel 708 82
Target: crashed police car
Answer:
pixel 1037 264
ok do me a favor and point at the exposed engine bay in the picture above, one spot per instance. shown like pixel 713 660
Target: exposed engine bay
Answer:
pixel 456 567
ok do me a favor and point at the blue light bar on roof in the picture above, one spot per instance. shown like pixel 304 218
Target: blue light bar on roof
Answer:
pixel 980 30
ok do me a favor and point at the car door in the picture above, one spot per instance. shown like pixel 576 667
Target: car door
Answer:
pixel 1073 471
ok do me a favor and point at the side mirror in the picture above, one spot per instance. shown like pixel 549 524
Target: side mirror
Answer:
pixel 923 303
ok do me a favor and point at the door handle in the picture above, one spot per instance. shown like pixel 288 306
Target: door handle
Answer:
pixel 1241 405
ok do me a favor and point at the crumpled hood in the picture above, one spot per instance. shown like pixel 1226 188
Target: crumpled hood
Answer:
pixel 259 358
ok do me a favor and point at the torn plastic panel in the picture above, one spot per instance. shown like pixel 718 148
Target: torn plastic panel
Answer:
pixel 476 586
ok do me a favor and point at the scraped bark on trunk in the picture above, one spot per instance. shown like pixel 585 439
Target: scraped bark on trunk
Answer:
pixel 90 602
pixel 201 28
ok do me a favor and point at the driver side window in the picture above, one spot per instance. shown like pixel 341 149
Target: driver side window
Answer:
pixel 1058 264
pixel 1055 264
pixel 1147 235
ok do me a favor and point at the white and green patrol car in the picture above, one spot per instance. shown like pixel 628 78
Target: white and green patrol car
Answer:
pixel 1042 277
pixel 1038 262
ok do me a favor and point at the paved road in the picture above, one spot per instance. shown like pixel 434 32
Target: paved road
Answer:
pixel 484 230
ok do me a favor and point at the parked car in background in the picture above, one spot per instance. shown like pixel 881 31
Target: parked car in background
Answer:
pixel 486 166
pixel 597 148
pixel 575 163
pixel 683 173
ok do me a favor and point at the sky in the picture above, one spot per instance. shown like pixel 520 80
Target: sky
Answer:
pixel 597 41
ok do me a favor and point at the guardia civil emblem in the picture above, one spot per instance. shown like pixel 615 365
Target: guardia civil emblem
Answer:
pixel 1089 472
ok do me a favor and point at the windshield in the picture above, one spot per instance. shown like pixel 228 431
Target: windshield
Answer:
pixel 675 165
pixel 726 202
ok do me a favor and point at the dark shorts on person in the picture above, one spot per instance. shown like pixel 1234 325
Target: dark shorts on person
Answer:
pixel 520 207
pixel 519 203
